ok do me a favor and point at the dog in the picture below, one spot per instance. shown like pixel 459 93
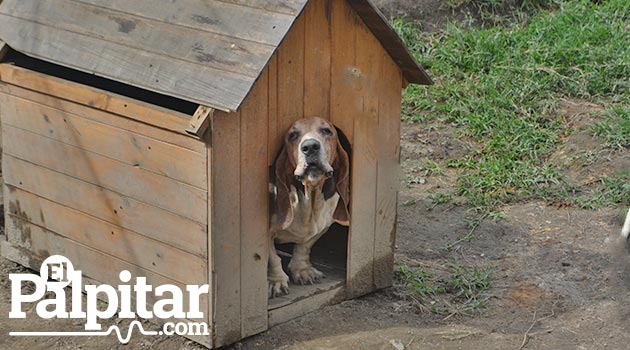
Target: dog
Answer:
pixel 625 231
pixel 309 192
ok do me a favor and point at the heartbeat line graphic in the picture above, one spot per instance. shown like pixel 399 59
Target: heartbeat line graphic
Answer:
pixel 116 329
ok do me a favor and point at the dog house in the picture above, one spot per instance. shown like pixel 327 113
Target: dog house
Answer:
pixel 138 135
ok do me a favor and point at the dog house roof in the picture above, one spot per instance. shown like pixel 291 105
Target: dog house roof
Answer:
pixel 205 51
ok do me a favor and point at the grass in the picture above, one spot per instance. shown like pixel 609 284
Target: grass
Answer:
pixel 609 191
pixel 456 290
pixel 499 86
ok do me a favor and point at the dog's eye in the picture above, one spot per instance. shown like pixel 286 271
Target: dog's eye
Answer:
pixel 326 131
pixel 293 136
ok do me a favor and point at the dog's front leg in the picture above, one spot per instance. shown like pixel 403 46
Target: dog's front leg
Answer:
pixel 278 280
pixel 301 269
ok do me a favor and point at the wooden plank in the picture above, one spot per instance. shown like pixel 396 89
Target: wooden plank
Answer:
pixel 191 82
pixel 130 181
pixel 291 77
pixel 30 244
pixel 177 42
pixel 209 237
pixel 305 306
pixel 392 43
pixel 209 16
pixel 254 203
pixel 388 176
pixel 317 59
pixel 289 7
pixel 226 227
pixel 274 135
pixel 365 147
pixel 39 81
pixel 127 147
pixel 105 237
pixel 106 205
pixel 200 121
pixel 343 89
pixel 4 48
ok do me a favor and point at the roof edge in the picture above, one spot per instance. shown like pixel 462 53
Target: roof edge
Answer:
pixel 392 43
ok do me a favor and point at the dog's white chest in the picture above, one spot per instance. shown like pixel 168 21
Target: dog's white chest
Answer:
pixel 311 217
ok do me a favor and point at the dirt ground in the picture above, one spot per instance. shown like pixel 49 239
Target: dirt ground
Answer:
pixel 561 277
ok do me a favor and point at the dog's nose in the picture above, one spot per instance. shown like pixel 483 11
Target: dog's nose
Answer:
pixel 310 147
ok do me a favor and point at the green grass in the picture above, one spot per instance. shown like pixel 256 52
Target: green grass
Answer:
pixel 499 86
pixel 609 191
pixel 456 290
pixel 615 130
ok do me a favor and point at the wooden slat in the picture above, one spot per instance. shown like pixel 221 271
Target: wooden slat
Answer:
pixel 393 44
pixel 106 205
pixel 226 226
pixel 179 43
pixel 29 245
pixel 200 121
pixel 291 77
pixel 317 59
pixel 4 48
pixel 304 306
pixel 210 16
pixel 274 135
pixel 343 90
pixel 290 7
pixel 130 181
pixel 48 85
pixel 191 82
pixel 365 148
pixel 209 239
pixel 128 147
pixel 388 172
pixel 126 245
pixel 254 198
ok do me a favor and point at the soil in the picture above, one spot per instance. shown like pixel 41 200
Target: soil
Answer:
pixel 561 276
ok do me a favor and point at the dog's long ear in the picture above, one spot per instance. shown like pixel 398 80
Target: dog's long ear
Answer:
pixel 341 167
pixel 283 210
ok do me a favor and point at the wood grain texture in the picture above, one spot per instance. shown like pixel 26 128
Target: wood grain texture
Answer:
pixel 226 226
pixel 130 148
pixel 200 121
pixel 304 306
pixel 289 7
pixel 107 238
pixel 199 84
pixel 365 148
pixel 128 180
pixel 274 135
pixel 96 98
pixel 106 205
pixel 317 58
pixel 388 176
pixel 254 213
pixel 291 77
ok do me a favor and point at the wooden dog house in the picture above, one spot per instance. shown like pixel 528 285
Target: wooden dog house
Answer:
pixel 138 135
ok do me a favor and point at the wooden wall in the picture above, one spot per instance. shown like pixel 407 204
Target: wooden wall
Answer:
pixel 108 192
pixel 329 65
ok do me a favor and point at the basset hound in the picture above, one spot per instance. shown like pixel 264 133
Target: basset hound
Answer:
pixel 310 190
pixel 625 231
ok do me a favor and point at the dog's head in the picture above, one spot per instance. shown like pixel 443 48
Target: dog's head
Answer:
pixel 313 157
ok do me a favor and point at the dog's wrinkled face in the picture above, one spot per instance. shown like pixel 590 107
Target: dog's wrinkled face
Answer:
pixel 311 144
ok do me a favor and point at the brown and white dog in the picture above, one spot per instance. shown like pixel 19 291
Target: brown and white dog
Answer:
pixel 309 193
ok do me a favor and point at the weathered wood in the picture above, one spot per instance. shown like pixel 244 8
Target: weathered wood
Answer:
pixel 142 185
pixel 275 141
pixel 113 240
pixel 317 58
pixel 254 214
pixel 365 148
pixel 344 98
pixel 304 306
pixel 226 226
pixel 4 48
pixel 210 251
pixel 29 245
pixel 289 7
pixel 203 85
pixel 291 77
pixel 130 148
pixel 200 121
pixel 393 44
pixel 106 205
pixel 388 176
pixel 96 98
pixel 151 36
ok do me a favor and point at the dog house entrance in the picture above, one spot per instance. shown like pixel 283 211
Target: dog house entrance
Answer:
pixel 329 255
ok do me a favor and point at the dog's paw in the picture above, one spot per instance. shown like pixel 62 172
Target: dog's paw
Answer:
pixel 278 287
pixel 306 275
